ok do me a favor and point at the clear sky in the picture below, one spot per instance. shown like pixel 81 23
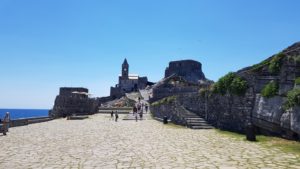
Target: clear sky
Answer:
pixel 48 44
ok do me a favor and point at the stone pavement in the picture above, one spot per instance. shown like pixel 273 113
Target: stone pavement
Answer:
pixel 98 142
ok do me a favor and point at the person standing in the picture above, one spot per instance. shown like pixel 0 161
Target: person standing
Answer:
pixel 6 122
pixel 116 116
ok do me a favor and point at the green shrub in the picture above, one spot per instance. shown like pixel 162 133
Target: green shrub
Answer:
pixel 203 92
pixel 270 90
pixel 297 59
pixel 293 98
pixel 275 63
pixel 230 83
pixel 297 81
pixel 238 86
pixel 259 66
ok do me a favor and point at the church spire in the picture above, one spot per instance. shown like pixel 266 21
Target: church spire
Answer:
pixel 125 69
pixel 125 62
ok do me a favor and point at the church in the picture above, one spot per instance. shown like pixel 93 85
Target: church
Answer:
pixel 128 82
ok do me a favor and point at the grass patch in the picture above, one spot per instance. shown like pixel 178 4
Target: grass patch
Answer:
pixel 286 146
pixel 231 134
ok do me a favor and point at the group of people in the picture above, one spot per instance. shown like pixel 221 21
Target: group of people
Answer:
pixel 114 115
pixel 138 110
pixel 5 123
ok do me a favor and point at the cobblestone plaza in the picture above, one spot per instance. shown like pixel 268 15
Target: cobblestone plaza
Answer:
pixel 99 142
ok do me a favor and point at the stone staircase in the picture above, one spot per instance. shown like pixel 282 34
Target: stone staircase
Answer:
pixel 133 96
pixel 194 121
pixel 197 123
pixel 145 94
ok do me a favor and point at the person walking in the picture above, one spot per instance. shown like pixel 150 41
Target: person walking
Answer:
pixel 146 108
pixel 112 115
pixel 136 116
pixel 6 122
pixel 141 114
pixel 116 116
pixel 134 110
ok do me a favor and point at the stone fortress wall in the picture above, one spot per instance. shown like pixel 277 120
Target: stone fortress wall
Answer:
pixel 189 69
pixel 181 77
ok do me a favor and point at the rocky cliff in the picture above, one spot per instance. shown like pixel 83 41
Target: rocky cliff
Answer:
pixel 72 101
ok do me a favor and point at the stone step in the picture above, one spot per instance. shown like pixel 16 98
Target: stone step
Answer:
pixel 201 127
pixel 198 124
pixel 195 116
pixel 194 119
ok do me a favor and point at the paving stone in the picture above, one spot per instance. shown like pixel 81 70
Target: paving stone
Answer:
pixel 98 142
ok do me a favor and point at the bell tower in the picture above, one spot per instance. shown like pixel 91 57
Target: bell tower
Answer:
pixel 125 69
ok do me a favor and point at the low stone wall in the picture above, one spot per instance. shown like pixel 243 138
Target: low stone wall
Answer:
pixel 27 121
pixel 225 112
pixel 193 102
pixel 170 110
pixel 120 110
pixel 230 112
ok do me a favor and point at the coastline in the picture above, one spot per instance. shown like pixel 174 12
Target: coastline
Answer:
pixel 16 113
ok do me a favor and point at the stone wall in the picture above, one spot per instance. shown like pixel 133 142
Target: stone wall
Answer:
pixel 67 91
pixel 231 112
pixel 173 85
pixel 115 92
pixel 142 83
pixel 27 121
pixel 171 110
pixel 193 102
pixel 269 114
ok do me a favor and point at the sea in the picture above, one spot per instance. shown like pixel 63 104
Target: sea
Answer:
pixel 24 113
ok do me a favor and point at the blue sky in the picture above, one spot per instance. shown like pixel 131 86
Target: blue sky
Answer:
pixel 48 44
